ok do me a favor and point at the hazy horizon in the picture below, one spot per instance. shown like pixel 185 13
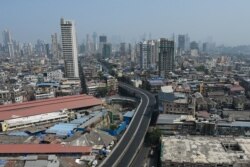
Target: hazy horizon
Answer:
pixel 225 21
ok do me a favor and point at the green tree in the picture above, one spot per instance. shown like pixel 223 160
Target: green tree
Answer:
pixel 200 68
pixel 154 136
pixel 82 79
pixel 206 71
pixel 100 75
pixel 113 127
pixel 146 85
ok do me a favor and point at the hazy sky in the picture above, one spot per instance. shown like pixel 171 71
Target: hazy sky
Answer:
pixel 227 21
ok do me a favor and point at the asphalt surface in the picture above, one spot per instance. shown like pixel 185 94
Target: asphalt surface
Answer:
pixel 126 149
pixel 145 159
pixel 142 158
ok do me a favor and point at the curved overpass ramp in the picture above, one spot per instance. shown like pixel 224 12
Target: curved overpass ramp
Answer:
pixel 127 147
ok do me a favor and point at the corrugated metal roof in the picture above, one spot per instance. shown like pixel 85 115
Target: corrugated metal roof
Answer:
pixel 156 82
pixel 46 106
pixel 129 114
pixel 48 84
pixel 80 120
pixel 167 89
pixel 167 118
pixel 37 163
pixel 235 124
pixel 62 129
pixel 94 119
pixel 237 88
pixel 42 149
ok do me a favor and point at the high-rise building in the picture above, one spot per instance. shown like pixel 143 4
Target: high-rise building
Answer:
pixel 129 49
pixel 88 44
pixel 82 48
pixel 144 55
pixel 6 37
pixel 187 42
pixel 102 41
pixel 54 46
pixel 148 54
pixel 47 49
pixel 204 47
pixel 8 43
pixel 11 50
pixel 106 50
pixel 194 45
pixel 40 48
pixel 123 49
pixel 166 57
pixel 154 53
pixel 69 47
pixel 17 49
pixel 27 50
pixel 137 54
pixel 94 36
pixel 181 43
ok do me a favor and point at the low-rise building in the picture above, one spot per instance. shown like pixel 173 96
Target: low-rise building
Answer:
pixel 172 124
pixel 46 90
pixel 233 128
pixel 90 72
pixel 5 97
pixel 69 87
pixel 12 95
pixel 56 75
pixel 174 102
pixel 92 87
pixel 203 123
pixel 237 90
pixel 155 84
pixel 112 85
pixel 196 151
pixel 245 83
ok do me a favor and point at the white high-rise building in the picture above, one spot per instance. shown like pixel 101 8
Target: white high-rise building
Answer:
pixel 8 43
pixel 69 47
pixel 148 54
pixel 145 55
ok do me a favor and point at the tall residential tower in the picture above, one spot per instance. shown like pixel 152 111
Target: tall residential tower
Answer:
pixel 102 41
pixel 166 57
pixel 69 46
pixel 181 43
pixel 54 46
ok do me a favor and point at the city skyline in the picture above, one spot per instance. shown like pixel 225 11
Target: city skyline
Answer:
pixel 217 20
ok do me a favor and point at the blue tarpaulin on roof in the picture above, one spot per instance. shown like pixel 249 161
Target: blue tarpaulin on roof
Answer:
pixel 17 134
pixel 2 163
pixel 120 128
pixel 128 116
pixel 62 129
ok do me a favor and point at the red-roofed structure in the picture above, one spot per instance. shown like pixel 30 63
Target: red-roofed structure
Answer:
pixel 6 149
pixel 25 109
pixel 237 89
